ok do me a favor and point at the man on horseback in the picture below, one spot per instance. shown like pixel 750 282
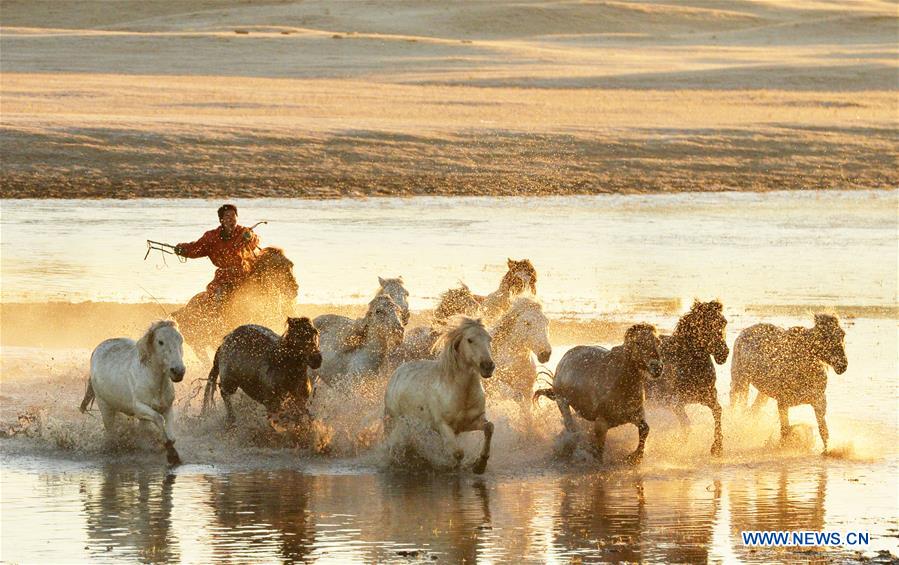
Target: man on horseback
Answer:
pixel 231 248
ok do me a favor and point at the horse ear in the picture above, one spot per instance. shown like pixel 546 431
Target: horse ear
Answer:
pixel 510 262
pixel 382 282
pixel 145 347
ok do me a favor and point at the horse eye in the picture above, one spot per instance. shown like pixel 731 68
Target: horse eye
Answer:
pixel 160 342
pixel 470 340
pixel 379 311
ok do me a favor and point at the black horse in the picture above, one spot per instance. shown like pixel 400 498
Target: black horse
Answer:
pixel 689 376
pixel 269 368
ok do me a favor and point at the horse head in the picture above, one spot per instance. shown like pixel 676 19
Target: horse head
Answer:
pixel 383 321
pixel 641 345
pixel 706 325
pixel 828 340
pixel 275 271
pixel 520 277
pixel 302 338
pixel 162 347
pixel 466 344
pixel 526 325
pixel 394 289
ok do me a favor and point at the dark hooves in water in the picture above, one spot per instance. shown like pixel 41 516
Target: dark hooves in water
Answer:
pixel 634 458
pixel 480 466
pixel 716 450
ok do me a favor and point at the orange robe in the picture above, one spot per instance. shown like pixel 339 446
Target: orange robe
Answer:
pixel 234 256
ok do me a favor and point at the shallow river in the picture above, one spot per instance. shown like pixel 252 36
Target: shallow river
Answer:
pixel 251 495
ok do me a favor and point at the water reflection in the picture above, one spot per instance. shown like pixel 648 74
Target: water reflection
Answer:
pixel 288 516
pixel 129 512
pixel 263 509
pixel 601 519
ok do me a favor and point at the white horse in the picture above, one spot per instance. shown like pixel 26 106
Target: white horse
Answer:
pixel 446 393
pixel 352 348
pixel 136 378
pixel 521 330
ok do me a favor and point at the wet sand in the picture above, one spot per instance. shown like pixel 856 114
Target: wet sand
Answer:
pixel 315 100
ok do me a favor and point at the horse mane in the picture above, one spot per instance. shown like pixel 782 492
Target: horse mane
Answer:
pixel 511 283
pixel 690 323
pixel 450 301
pixel 145 343
pixel 522 305
pixel 449 360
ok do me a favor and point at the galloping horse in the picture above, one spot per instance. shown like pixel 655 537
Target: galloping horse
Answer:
pixel 520 277
pixel 789 366
pixel 269 368
pixel 606 387
pixel 689 376
pixel 135 378
pixel 446 393
pixel 266 297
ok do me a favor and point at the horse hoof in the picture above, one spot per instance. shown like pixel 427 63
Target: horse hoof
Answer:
pixel 173 458
pixel 458 455
pixel 716 451
pixel 480 466
pixel 634 458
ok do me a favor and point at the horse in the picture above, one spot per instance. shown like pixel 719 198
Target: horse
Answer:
pixel 269 368
pixel 521 277
pixel 789 366
pixel 266 296
pixel 689 376
pixel 351 348
pixel 446 393
pixel 520 331
pixel 135 378
pixel 394 289
pixel 606 387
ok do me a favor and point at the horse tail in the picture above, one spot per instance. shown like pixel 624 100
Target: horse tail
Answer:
pixel 547 392
pixel 211 380
pixel 89 397
pixel 739 378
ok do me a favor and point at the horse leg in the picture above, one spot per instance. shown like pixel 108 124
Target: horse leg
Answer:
pixel 449 438
pixel 171 454
pixel 716 414
pixel 782 411
pixel 487 427
pixel 600 429
pixel 637 455
pixel 820 406
pixel 229 408
pixel 567 419
pixel 145 412
pixel 680 410
pixel 108 414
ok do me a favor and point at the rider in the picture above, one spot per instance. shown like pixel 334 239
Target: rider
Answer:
pixel 231 248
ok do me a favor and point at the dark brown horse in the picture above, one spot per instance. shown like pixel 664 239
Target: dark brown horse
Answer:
pixel 689 375
pixel 520 278
pixel 265 297
pixel 606 387
pixel 269 368
pixel 789 366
